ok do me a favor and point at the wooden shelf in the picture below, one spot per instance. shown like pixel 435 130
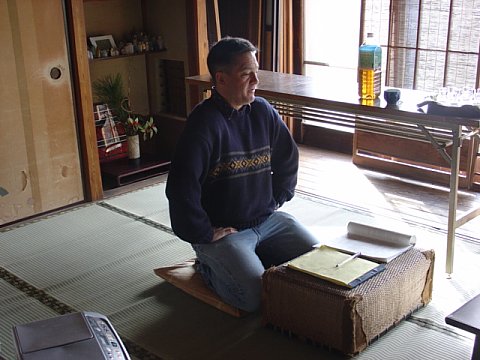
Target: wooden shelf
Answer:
pixel 106 58
pixel 125 171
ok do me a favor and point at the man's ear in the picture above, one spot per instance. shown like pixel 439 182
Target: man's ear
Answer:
pixel 220 77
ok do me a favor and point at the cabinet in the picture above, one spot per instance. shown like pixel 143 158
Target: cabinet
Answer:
pixel 153 80
pixel 124 171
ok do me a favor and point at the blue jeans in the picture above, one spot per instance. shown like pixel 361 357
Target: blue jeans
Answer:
pixel 233 266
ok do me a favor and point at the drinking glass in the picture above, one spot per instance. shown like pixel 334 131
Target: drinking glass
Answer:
pixel 467 95
pixel 453 95
pixel 476 99
pixel 442 94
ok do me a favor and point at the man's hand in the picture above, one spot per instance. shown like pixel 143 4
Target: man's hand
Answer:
pixel 221 232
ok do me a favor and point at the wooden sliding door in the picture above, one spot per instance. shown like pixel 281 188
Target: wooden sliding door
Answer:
pixel 39 156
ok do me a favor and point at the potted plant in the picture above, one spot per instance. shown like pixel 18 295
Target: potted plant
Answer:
pixel 134 126
pixel 109 90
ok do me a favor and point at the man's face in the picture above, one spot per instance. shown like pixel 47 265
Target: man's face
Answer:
pixel 238 84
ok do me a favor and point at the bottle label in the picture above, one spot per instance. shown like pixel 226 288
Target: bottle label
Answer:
pixel 370 57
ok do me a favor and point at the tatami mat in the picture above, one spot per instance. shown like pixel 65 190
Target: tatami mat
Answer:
pixel 100 257
pixel 17 308
pixel 148 203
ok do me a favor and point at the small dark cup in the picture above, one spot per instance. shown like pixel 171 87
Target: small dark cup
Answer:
pixel 391 96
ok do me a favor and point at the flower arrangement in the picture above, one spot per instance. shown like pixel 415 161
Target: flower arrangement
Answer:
pixel 137 125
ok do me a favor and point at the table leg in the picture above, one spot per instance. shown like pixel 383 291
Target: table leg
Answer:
pixel 452 201
pixel 476 348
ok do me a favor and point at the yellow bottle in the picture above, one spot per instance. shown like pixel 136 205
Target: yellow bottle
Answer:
pixel 369 84
pixel 369 69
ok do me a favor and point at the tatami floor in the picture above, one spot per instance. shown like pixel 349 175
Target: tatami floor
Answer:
pixel 100 257
pixel 333 176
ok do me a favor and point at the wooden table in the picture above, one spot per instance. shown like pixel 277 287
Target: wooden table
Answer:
pixel 467 318
pixel 305 98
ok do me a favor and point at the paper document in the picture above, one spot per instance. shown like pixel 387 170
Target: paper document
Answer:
pixel 372 242
pixel 322 262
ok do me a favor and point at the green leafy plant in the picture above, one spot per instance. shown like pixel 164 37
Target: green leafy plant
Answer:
pixel 109 90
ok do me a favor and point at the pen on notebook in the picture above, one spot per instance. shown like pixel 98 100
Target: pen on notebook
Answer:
pixel 347 260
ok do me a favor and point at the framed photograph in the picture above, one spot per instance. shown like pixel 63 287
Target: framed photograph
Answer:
pixel 104 42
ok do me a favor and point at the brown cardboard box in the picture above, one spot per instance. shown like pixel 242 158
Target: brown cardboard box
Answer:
pixel 347 319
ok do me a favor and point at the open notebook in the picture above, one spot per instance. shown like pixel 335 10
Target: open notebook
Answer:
pixel 323 262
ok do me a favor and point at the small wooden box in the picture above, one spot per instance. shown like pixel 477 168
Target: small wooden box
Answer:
pixel 347 319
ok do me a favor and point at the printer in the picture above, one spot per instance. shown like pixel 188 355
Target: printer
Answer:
pixel 76 336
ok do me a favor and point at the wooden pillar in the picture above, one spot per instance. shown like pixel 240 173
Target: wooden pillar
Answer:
pixel 84 100
pixel 197 43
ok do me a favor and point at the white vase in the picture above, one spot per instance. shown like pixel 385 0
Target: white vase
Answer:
pixel 133 147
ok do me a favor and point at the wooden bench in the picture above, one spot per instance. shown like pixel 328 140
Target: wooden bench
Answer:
pixel 467 318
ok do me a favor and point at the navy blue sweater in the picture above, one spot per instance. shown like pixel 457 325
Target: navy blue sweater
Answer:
pixel 230 168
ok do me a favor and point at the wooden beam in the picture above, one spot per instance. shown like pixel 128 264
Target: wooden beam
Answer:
pixel 298 36
pixel 218 30
pixel 197 38
pixel 83 100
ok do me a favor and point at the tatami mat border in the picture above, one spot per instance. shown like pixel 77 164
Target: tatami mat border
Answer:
pixel 135 217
